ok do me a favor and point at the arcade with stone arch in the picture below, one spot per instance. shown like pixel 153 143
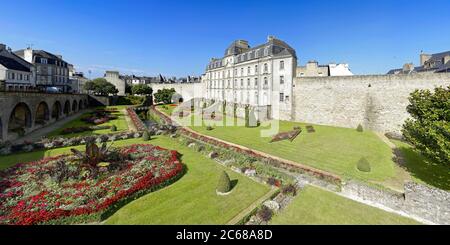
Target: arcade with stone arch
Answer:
pixel 23 113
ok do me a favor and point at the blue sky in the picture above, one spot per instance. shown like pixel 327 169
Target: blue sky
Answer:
pixel 179 37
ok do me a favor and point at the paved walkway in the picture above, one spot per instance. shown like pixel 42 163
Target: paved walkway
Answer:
pixel 39 133
pixel 131 126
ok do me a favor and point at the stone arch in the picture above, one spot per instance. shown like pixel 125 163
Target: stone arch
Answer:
pixel 66 108
pixel 42 113
pixel 56 110
pixel 20 119
pixel 80 105
pixel 74 106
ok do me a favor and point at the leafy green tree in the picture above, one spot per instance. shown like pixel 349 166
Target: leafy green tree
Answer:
pixel 89 86
pixel 101 86
pixel 429 127
pixel 141 89
pixel 164 95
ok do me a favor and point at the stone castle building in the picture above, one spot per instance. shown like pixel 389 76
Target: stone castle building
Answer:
pixel 261 77
pixel 266 78
pixel 114 78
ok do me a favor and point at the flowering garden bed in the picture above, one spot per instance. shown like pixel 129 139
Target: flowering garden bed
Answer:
pixel 99 116
pixel 76 189
pixel 135 119
pixel 290 135
pixel 74 130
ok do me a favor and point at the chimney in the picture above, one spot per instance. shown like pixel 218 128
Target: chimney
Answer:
pixel 424 58
pixel 2 46
pixel 408 67
pixel 270 38
pixel 446 59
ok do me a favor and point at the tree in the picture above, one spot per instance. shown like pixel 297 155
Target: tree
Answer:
pixel 164 95
pixel 89 86
pixel 429 127
pixel 142 89
pixel 101 86
pixel 128 89
pixel 224 185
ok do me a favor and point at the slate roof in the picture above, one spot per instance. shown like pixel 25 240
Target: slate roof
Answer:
pixel 40 53
pixel 13 64
pixel 276 48
pixel 438 65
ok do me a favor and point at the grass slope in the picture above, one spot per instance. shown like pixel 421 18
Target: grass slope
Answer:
pixel 332 149
pixel 120 123
pixel 317 206
pixel 191 200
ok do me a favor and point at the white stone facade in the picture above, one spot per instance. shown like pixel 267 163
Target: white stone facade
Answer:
pixel 259 77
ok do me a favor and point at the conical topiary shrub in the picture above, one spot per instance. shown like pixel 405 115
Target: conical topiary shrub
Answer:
pixel 363 165
pixel 359 128
pixel 113 128
pixel 146 136
pixel 224 185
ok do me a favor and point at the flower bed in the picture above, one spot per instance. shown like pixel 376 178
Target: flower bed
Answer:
pixel 56 142
pixel 135 119
pixel 99 117
pixel 290 135
pixel 81 129
pixel 58 189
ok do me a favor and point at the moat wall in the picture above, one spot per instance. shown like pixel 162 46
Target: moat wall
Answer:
pixel 419 201
pixel 378 102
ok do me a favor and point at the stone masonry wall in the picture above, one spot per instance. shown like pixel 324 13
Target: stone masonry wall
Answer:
pixel 378 102
pixel 419 201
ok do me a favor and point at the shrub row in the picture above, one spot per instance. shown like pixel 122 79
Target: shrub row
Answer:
pixel 46 143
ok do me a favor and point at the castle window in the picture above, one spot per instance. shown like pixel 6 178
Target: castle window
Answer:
pixel 281 65
pixel 242 82
pixel 256 82
pixel 281 79
pixel 256 69
pixel 281 97
pixel 248 82
pixel 265 81
pixel 242 72
pixel 266 67
pixel 248 70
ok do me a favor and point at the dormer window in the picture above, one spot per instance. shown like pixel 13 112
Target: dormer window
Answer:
pixel 44 61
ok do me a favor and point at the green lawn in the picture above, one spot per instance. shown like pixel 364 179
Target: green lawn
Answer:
pixel 168 109
pixel 120 123
pixel 422 170
pixel 317 206
pixel 332 149
pixel 191 200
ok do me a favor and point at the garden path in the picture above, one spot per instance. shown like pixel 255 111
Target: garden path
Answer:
pixel 39 133
pixel 130 123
